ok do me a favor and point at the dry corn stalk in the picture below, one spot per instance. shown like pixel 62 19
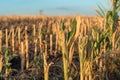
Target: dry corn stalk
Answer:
pixel 46 65
pixel 40 43
pixel 54 28
pixel 40 28
pixel 61 39
pixel 1 64
pixel 57 38
pixel 19 31
pixel 26 48
pixel 73 39
pixel 35 49
pixel 40 37
pixel 34 31
pixel 22 55
pixel 85 64
pixel 56 42
pixel 113 40
pixel 6 39
pixel 85 30
pixel 51 44
pixel 12 30
pixel 0 40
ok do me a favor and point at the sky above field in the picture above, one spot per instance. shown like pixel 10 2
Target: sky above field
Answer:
pixel 49 7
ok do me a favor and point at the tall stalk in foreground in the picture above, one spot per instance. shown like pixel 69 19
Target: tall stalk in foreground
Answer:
pixel 66 42
pixel 46 65
pixel 110 36
pixel 64 53
pixel 85 63
pixel 111 15
pixel 107 37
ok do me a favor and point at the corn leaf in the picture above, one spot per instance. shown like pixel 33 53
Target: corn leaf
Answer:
pixel 118 9
pixel 101 10
pixel 73 26
pixel 63 26
pixel 99 13
pixel 74 23
pixel 69 35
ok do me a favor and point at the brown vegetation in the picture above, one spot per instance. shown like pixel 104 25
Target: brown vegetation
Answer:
pixel 38 41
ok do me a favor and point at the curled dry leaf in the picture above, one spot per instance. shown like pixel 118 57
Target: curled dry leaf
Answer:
pixel 1 64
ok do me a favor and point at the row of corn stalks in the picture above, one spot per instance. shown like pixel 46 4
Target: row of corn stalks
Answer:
pixel 93 44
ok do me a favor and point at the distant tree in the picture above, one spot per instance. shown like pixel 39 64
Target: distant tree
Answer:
pixel 41 11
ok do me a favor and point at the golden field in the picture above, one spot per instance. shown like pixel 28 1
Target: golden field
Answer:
pixel 48 44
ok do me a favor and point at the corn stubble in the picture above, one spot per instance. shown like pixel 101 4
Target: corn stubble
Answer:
pixel 97 49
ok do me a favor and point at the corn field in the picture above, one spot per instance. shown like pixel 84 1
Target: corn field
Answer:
pixel 58 48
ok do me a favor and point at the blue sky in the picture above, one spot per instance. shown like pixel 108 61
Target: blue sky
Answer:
pixel 49 7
